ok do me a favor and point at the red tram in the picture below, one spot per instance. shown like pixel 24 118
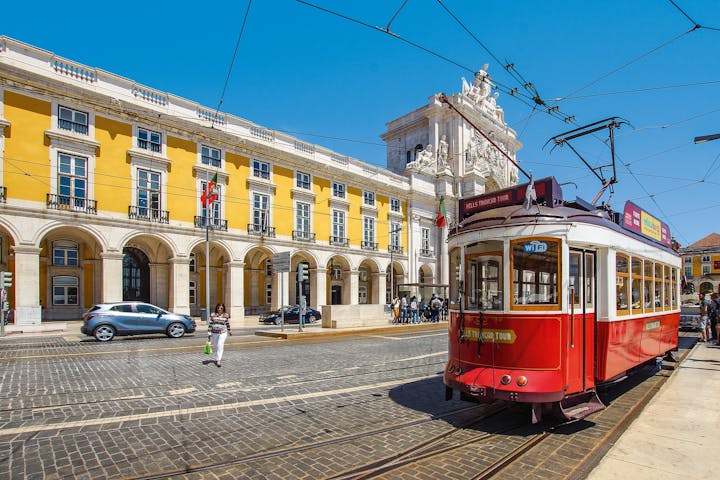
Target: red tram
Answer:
pixel 555 298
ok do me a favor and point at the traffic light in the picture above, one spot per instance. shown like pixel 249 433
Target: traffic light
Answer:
pixel 302 272
pixel 6 279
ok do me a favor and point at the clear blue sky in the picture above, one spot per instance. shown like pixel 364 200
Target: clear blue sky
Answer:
pixel 336 83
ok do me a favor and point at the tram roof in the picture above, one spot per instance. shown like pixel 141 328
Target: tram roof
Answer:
pixel 544 215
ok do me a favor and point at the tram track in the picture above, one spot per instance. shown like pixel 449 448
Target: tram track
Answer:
pixel 259 456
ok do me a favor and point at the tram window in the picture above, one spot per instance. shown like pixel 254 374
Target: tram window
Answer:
pixel 637 278
pixel 648 287
pixel 484 282
pixel 622 280
pixel 575 277
pixel 673 288
pixel 535 267
pixel 658 286
pixel 589 279
pixel 666 297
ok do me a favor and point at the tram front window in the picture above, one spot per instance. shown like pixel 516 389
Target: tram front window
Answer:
pixel 484 278
pixel 535 268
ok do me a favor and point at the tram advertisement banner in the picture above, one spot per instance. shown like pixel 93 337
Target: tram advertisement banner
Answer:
pixel 640 221
pixel 547 190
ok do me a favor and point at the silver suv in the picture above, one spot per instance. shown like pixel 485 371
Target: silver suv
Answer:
pixel 105 320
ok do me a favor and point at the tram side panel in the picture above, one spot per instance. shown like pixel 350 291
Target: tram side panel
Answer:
pixel 624 344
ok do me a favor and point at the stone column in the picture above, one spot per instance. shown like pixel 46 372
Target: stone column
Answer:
pixel 378 294
pixel 235 290
pixel 159 284
pixel 179 284
pixel 354 287
pixel 27 285
pixel 112 276
pixel 318 287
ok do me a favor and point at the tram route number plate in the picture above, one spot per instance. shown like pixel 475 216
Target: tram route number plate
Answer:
pixel 491 335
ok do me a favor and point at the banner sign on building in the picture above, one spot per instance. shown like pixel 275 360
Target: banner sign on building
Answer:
pixel 639 221
pixel 548 192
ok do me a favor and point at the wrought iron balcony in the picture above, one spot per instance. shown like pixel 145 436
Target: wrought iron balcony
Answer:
pixel 213 223
pixel 67 202
pixel 395 249
pixel 427 252
pixel 260 231
pixel 148 214
pixel 339 241
pixel 365 245
pixel 302 236
pixel 3 194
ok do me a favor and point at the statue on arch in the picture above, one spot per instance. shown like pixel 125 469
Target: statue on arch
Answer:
pixel 480 88
pixel 442 154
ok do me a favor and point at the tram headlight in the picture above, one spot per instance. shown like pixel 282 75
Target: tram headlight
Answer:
pixel 505 379
pixel 521 381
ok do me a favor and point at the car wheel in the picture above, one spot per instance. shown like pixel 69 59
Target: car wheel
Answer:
pixel 276 321
pixel 312 319
pixel 176 330
pixel 104 333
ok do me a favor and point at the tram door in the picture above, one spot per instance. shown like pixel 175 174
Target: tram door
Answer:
pixel 581 313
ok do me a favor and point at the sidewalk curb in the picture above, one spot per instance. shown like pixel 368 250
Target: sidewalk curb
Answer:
pixel 295 335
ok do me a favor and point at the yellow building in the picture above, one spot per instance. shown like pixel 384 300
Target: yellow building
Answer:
pixel 701 265
pixel 102 181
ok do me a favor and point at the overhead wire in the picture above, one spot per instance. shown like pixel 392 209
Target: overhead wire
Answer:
pixel 232 63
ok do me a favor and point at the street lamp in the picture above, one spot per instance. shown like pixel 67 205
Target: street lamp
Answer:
pixel 391 247
pixel 707 138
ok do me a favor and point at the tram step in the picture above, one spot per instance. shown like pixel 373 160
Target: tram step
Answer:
pixel 580 406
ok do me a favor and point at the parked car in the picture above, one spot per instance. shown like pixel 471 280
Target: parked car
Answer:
pixel 292 315
pixel 105 320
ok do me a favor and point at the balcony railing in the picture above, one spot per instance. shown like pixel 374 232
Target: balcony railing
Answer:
pixel 213 223
pixel 368 245
pixel 3 194
pixel 72 126
pixel 302 236
pixel 395 249
pixel 339 241
pixel 148 214
pixel 427 252
pixel 260 231
pixel 66 202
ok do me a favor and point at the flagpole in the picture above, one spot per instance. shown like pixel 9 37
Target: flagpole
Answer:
pixel 207 253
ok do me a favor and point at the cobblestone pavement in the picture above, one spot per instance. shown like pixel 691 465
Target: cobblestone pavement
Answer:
pixel 136 407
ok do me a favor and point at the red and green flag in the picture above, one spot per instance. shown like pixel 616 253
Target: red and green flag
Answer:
pixel 210 194
pixel 440 220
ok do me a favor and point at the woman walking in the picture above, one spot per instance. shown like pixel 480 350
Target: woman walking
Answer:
pixel 218 331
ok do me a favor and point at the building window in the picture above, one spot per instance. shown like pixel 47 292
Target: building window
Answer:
pixel 369 198
pixel 688 272
pixel 268 268
pixel 72 180
pixel 706 258
pixel 192 290
pixel 338 225
pixel 149 140
pixel 212 211
pixel 193 264
pixel 65 290
pixel 302 180
pixel 148 193
pixel 395 243
pixel 408 156
pixel 73 120
pixel 261 170
pixel 260 211
pixel 688 259
pixel 706 269
pixel 425 239
pixel 338 190
pixel 210 156
pixel 369 230
pixel 395 205
pixel 65 253
pixel 302 218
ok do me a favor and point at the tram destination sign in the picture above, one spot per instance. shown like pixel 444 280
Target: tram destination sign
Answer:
pixel 639 221
pixel 548 191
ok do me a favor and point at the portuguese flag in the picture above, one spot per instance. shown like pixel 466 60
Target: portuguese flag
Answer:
pixel 440 220
pixel 210 194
